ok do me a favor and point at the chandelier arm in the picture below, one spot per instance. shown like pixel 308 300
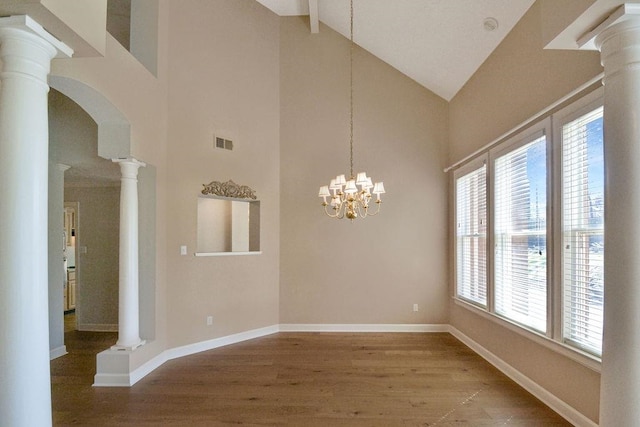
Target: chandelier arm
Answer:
pixel 340 209
pixel 328 213
pixel 379 203
pixel 362 210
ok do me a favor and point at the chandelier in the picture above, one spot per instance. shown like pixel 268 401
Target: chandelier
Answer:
pixel 351 198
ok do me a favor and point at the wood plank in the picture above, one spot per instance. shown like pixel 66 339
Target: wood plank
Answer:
pixel 295 379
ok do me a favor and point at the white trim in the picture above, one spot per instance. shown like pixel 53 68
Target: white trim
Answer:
pixel 112 380
pixel 123 380
pixel 190 349
pixel 549 399
pixel 585 359
pixel 97 327
pixel 146 368
pixel 227 253
pixel 355 327
pixel 57 352
pixel 586 104
pixel 472 167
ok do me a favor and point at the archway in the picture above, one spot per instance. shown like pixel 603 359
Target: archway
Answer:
pixel 113 142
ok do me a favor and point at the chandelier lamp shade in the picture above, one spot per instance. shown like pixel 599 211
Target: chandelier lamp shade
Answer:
pixel 351 198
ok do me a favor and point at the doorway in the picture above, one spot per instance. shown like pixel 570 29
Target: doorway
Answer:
pixel 71 264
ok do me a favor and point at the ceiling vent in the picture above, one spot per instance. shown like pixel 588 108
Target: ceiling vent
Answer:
pixel 225 144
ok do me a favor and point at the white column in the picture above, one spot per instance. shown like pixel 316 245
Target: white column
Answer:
pixel 129 308
pixel 619 44
pixel 26 51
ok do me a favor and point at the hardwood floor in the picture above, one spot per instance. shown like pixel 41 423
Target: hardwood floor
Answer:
pixel 301 379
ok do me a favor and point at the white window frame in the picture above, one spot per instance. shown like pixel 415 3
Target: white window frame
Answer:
pixel 458 173
pixel 540 129
pixel 551 126
pixel 569 113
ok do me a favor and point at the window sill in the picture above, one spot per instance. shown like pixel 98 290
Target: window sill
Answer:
pixel 585 359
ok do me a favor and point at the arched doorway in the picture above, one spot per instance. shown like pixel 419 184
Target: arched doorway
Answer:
pixel 105 133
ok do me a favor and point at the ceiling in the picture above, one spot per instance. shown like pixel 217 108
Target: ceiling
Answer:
pixel 438 43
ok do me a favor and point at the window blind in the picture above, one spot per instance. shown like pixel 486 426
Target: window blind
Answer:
pixel 471 238
pixel 583 231
pixel 520 200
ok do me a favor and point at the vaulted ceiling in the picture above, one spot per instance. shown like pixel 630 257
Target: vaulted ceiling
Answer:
pixel 437 43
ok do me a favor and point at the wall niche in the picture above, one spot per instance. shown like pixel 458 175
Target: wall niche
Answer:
pixel 228 220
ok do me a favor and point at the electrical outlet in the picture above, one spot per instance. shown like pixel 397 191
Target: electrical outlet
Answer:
pixel 183 250
pixel 209 320
pixel 415 307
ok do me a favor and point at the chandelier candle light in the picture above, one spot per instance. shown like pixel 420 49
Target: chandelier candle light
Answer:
pixel 351 198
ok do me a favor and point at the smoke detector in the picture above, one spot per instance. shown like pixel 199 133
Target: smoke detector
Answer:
pixel 490 24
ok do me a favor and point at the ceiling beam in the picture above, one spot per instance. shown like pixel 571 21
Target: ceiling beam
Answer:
pixel 314 20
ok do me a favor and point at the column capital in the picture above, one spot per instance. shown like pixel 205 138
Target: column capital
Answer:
pixel 129 167
pixel 129 160
pixel 26 24
pixel 618 40
pixel 627 15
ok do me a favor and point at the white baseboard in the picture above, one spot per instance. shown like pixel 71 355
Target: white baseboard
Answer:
pixel 97 327
pixel 558 405
pixel 136 375
pixel 57 352
pixel 549 399
pixel 220 342
pixel 112 380
pixel 366 327
pixel 187 350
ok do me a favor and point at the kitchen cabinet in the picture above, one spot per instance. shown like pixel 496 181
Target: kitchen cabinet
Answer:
pixel 71 290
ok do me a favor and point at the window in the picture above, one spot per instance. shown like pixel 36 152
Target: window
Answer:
pixel 471 220
pixel 520 234
pixel 544 272
pixel 583 230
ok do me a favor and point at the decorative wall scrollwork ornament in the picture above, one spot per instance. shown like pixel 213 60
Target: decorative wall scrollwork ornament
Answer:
pixel 228 189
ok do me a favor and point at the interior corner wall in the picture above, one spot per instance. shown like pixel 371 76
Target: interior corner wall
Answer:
pixel 147 242
pixel 369 271
pixel 223 81
pixel 144 33
pixel 517 81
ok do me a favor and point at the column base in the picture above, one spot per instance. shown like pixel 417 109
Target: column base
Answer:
pixel 115 368
pixel 119 347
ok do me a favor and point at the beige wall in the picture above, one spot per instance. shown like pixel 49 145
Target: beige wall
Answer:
pixel 97 269
pixel 223 75
pixel 232 68
pixel 371 270
pixel 518 80
pixel 142 99
pixel 73 140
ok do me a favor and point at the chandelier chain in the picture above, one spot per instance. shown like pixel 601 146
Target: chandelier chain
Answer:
pixel 351 88
pixel 351 197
